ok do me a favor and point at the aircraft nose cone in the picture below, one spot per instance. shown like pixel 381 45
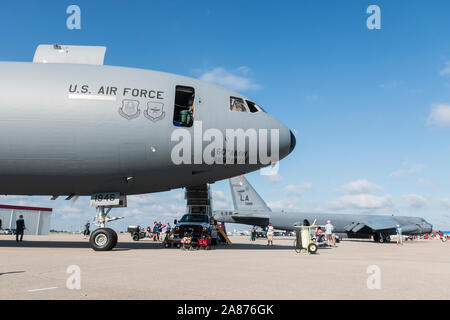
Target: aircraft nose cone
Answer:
pixel 293 142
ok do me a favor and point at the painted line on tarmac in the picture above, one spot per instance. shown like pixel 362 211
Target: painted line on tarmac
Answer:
pixel 43 289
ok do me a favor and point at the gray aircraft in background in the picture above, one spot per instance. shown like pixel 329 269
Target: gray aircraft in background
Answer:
pixel 71 126
pixel 250 209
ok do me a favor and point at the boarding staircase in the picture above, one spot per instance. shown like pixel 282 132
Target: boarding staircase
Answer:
pixel 198 200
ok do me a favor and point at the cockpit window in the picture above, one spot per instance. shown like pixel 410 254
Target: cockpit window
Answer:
pixel 237 104
pixel 252 106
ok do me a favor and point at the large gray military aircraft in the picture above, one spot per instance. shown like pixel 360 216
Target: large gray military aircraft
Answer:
pixel 71 126
pixel 250 209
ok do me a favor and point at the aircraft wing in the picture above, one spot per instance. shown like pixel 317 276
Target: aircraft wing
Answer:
pixel 375 223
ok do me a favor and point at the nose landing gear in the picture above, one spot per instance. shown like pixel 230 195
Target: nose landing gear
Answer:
pixel 105 239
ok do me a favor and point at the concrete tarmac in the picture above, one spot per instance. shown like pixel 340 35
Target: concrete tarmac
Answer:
pixel 37 269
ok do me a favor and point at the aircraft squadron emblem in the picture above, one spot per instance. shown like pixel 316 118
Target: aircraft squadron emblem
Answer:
pixel 155 111
pixel 130 109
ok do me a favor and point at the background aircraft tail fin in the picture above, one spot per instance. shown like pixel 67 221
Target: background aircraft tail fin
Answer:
pixel 245 197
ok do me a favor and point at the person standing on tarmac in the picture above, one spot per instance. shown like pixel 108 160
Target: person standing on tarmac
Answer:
pixel 329 228
pixel 399 235
pixel 155 231
pixel 20 228
pixel 269 235
pixel 253 237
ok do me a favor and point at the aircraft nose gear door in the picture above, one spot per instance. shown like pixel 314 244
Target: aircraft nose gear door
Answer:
pixel 105 239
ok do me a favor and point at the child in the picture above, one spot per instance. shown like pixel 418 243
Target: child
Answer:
pixel 186 241
pixel 204 242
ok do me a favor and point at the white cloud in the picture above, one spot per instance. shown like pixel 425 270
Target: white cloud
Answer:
pixel 445 203
pixel 274 178
pixel 297 190
pixel 425 183
pixel 446 69
pixel 363 202
pixel 415 201
pixel 285 204
pixel 221 200
pixel 360 187
pixel 235 79
pixel 219 195
pixel 68 209
pixel 439 116
pixel 408 169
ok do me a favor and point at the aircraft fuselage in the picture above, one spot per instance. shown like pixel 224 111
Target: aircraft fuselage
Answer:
pixel 82 129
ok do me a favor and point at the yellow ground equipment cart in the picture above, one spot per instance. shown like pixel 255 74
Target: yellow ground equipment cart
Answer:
pixel 303 242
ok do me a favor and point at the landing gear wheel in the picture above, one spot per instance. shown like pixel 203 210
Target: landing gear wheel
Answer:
pixel 116 238
pixel 312 248
pixel 103 239
pixel 376 237
pixel 297 250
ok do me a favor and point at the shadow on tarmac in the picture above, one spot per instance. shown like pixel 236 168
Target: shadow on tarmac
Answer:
pixel 11 272
pixel 124 246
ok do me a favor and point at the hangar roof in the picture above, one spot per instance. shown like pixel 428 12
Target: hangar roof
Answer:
pixel 4 206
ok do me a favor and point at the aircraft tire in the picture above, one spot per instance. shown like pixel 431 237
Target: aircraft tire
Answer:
pixel 116 237
pixel 297 250
pixel 103 239
pixel 312 248
pixel 376 237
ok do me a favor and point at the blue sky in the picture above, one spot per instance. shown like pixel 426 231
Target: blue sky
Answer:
pixel 370 108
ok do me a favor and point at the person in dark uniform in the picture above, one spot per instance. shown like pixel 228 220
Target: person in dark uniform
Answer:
pixel 20 227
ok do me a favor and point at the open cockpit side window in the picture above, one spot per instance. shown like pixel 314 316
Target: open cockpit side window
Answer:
pixel 183 115
pixel 238 104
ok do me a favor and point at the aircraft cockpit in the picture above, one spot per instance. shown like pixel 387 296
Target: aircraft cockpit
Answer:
pixel 241 105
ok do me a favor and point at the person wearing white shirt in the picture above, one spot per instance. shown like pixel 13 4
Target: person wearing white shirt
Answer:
pixel 329 228
pixel 269 229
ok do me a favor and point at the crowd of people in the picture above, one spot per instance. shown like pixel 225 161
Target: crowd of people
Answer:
pixel 159 231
